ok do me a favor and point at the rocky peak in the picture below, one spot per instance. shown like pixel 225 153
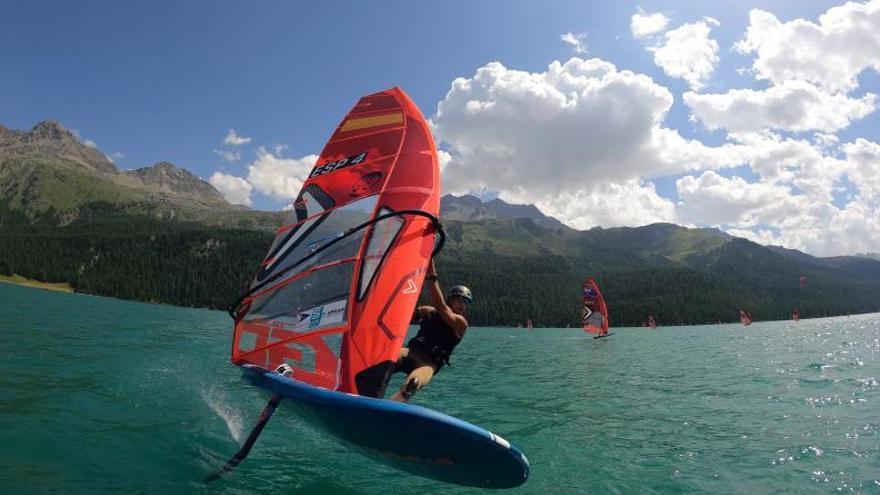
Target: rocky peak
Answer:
pixel 167 178
pixel 50 129
pixel 469 208
pixel 49 139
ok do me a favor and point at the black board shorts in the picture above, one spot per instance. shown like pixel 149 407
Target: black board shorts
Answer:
pixel 417 358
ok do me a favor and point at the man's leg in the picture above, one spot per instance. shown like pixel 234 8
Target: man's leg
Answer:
pixel 414 381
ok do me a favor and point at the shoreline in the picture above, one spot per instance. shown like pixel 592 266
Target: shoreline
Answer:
pixel 26 282
pixel 67 288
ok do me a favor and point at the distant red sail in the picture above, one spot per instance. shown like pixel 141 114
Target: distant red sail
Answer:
pixel 594 312
pixel 334 295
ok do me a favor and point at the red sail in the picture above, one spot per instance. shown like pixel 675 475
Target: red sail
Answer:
pixel 594 314
pixel 335 294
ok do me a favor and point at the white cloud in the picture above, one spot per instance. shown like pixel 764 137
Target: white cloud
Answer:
pixel 825 141
pixel 792 106
pixel 576 40
pixel 233 139
pixel 114 156
pixel 864 170
pixel 711 199
pixel 688 52
pixel 90 143
pixel 634 203
pixel 228 155
pixel 235 189
pixel 643 25
pixel 280 178
pixel 830 54
pixel 776 214
pixel 576 131
pixel 270 174
pixel 792 161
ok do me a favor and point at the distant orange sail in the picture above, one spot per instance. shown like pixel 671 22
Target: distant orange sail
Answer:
pixel 594 313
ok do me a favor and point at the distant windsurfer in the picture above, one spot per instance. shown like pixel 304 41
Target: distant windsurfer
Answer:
pixel 591 316
pixel 441 328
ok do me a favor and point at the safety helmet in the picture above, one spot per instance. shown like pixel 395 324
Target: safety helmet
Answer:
pixel 460 291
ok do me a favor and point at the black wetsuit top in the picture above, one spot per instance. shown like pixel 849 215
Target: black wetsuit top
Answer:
pixel 436 339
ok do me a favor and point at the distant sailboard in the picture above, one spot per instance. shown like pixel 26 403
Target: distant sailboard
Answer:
pixel 594 311
pixel 321 327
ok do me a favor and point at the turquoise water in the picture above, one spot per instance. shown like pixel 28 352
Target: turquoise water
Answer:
pixel 101 395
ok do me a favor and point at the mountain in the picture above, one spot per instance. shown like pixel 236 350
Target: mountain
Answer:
pixel 873 256
pixel 469 208
pixel 51 177
pixel 51 142
pixel 159 233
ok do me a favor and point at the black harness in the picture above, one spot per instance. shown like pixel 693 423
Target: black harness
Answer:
pixel 436 339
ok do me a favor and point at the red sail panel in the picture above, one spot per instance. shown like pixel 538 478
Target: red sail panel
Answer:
pixel 594 313
pixel 334 295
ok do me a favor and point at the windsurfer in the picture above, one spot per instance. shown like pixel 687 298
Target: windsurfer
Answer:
pixel 590 314
pixel 441 328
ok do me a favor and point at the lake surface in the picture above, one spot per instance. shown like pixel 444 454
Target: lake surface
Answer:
pixel 102 395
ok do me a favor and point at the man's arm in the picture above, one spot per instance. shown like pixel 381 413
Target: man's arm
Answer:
pixel 421 312
pixel 435 294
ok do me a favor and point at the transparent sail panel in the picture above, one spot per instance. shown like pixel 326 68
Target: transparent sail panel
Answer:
pixel 290 304
pixel 381 237
pixel 316 233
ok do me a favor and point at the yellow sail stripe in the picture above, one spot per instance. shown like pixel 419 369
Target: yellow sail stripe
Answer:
pixel 354 124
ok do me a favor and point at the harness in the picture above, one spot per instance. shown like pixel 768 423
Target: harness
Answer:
pixel 436 339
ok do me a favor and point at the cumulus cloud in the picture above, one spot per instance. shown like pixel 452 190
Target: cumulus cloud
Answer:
pixel 235 189
pixel 715 200
pixel 579 130
pixel 773 213
pixel 278 177
pixel 90 143
pixel 829 54
pixel 863 158
pixel 269 174
pixel 794 161
pixel 643 25
pixel 791 106
pixel 233 139
pixel 228 155
pixel 688 52
pixel 635 203
pixel 576 40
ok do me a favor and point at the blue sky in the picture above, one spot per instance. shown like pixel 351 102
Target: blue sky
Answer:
pixel 152 81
